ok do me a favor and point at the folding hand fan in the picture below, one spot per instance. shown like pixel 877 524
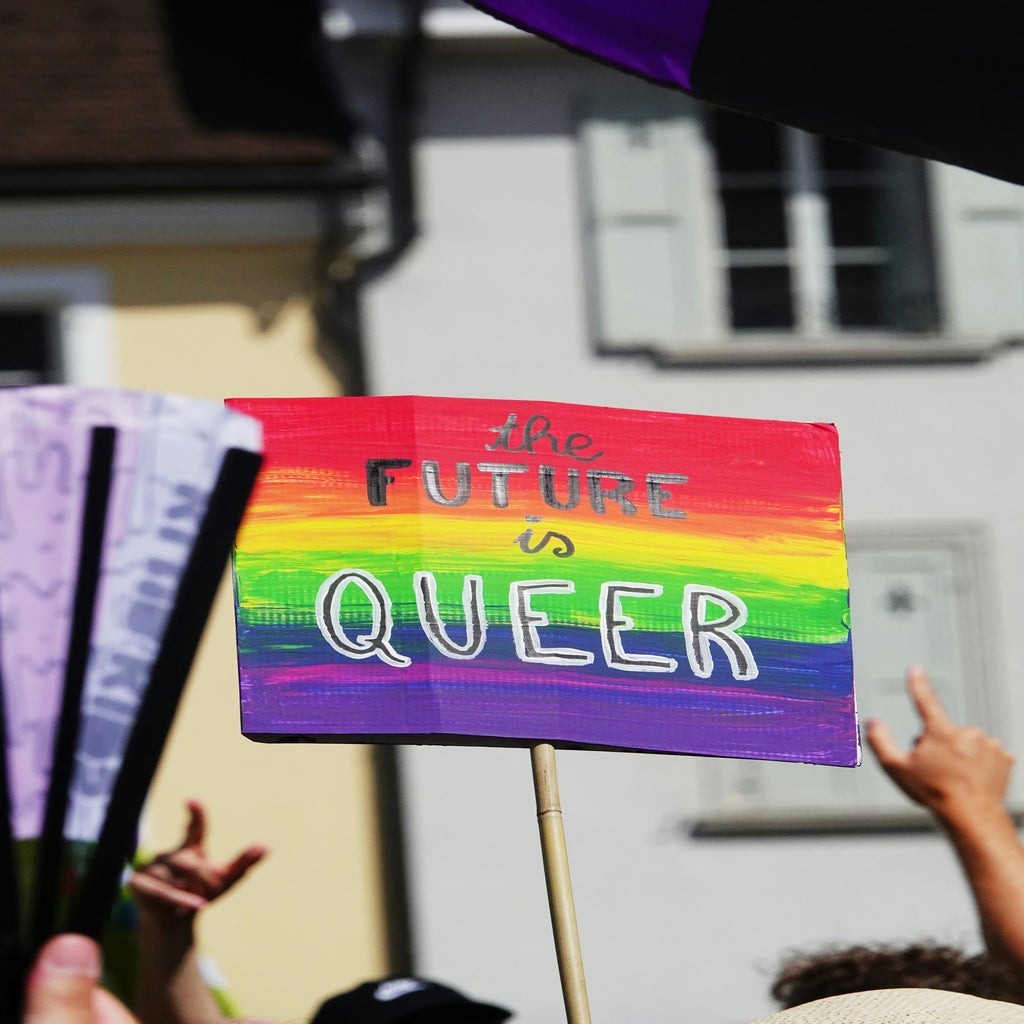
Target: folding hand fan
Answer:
pixel 117 512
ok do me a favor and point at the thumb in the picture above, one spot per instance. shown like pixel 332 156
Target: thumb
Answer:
pixel 62 982
pixel 885 749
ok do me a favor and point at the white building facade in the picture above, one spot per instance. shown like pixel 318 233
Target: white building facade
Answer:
pixel 590 238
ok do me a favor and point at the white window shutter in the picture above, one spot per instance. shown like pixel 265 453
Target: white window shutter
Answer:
pixel 652 230
pixel 979 225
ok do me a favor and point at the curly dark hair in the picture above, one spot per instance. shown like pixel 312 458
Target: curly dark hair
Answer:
pixel 804 977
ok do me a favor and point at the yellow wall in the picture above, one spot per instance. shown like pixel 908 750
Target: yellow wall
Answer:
pixel 215 323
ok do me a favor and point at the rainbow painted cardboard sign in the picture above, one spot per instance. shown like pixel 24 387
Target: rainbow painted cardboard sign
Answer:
pixel 455 570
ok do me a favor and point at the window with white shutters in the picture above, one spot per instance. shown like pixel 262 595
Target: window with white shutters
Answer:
pixel 714 237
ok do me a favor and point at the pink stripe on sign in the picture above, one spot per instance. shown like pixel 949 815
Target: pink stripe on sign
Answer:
pixel 653 38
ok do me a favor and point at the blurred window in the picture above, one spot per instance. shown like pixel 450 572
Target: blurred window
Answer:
pixel 708 233
pixel 29 353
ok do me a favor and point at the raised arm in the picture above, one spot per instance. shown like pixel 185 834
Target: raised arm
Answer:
pixel 960 775
pixel 169 891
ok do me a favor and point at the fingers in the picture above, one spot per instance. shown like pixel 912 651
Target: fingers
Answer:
pixel 241 864
pixel 928 705
pixel 884 747
pixel 62 982
pixel 150 887
pixel 196 828
pixel 187 880
pixel 187 869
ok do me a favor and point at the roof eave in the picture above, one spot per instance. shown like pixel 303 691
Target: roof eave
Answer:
pixel 37 182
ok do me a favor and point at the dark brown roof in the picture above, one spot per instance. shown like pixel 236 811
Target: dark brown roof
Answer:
pixel 88 91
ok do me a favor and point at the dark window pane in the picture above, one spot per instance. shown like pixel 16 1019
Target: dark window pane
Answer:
pixel 745 143
pixel 754 218
pixel 855 216
pixel 859 296
pixel 911 300
pixel 840 155
pixel 912 310
pixel 759 297
pixel 25 349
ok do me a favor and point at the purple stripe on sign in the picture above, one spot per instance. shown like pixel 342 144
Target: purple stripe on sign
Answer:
pixel 653 38
pixel 778 727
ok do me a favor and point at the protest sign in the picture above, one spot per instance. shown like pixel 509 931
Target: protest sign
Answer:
pixel 459 571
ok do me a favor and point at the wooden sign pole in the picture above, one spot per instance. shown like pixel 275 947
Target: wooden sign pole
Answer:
pixel 556 873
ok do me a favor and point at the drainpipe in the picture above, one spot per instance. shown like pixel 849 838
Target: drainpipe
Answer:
pixel 377 74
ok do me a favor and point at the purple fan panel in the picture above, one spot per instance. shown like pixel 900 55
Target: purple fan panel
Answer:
pixel 654 38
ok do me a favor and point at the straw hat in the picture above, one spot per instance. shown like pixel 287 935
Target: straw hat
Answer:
pixel 900 1006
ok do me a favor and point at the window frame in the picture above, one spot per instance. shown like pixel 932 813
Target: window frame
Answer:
pixel 719 344
pixel 969 547
pixel 75 299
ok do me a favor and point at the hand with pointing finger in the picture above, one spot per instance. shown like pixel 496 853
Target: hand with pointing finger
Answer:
pixel 183 880
pixel 960 774
pixel 949 766
pixel 169 891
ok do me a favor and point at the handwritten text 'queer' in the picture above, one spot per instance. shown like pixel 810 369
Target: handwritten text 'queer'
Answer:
pixel 700 630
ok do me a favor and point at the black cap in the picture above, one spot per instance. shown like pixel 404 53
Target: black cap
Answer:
pixel 391 1000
